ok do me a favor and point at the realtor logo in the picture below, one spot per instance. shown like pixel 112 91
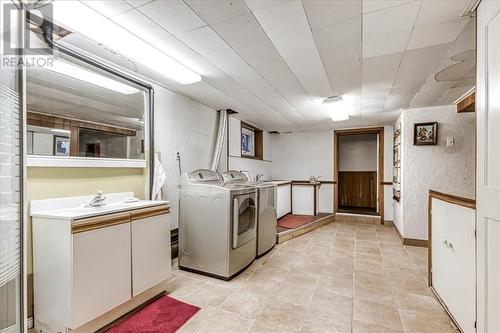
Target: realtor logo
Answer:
pixel 36 52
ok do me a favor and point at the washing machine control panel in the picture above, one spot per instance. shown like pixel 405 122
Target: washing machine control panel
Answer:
pixel 234 176
pixel 203 175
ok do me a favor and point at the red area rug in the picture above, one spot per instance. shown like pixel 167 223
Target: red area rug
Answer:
pixel 294 221
pixel 165 315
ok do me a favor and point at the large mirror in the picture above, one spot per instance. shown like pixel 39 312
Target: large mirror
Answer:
pixel 77 110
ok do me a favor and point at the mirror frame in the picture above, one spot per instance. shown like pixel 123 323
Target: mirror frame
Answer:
pixel 146 163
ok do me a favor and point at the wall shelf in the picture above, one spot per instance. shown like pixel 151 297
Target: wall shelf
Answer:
pixel 82 162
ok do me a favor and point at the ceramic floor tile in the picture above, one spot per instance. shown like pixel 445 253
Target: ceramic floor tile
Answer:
pixel 294 294
pixel 342 277
pixel 316 321
pixel 279 316
pixel 327 301
pixel 425 322
pixel 245 304
pixel 377 314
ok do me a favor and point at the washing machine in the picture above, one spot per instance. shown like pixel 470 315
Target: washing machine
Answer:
pixel 266 207
pixel 217 225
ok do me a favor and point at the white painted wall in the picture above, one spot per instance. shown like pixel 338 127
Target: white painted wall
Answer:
pixel 186 126
pixel 300 155
pixel 358 153
pixel 446 169
pixel 236 162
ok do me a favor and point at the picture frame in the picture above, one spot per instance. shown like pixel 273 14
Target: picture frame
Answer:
pixel 247 142
pixel 425 134
pixel 61 145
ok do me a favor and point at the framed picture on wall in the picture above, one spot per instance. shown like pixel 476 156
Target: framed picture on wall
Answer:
pixel 247 142
pixel 61 145
pixel 425 134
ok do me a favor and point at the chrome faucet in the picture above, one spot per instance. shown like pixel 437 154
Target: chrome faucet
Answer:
pixel 98 200
pixel 258 177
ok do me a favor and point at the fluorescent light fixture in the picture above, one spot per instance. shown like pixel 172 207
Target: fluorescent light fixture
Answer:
pixel 337 108
pixel 83 74
pixel 80 18
pixel 60 131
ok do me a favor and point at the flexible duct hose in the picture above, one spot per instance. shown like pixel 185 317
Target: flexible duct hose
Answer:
pixel 219 143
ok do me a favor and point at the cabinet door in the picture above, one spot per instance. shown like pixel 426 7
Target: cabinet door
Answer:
pixel 453 260
pixel 150 252
pixel 101 271
pixel 283 200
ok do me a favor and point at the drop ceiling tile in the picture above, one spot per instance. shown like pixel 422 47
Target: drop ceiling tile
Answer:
pixel 438 11
pixel 244 34
pixel 436 34
pixel 226 60
pixel 295 44
pixel 257 4
pixel 203 40
pixel 215 11
pixel 381 68
pixel 375 5
pixel 138 3
pixel 182 53
pixel 141 26
pixel 173 15
pixel 339 34
pixel 387 21
pixel 108 8
pixel 322 14
pixel 384 45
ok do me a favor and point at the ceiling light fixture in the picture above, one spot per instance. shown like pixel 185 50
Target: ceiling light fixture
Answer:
pixel 336 108
pixel 56 130
pixel 79 17
pixel 82 74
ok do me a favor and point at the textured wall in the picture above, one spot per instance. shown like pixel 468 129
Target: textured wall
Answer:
pixel 188 127
pixel 447 169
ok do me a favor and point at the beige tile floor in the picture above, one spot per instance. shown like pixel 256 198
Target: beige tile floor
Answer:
pixel 339 278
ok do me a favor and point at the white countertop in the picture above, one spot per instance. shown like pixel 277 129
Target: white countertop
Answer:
pixel 74 208
pixel 281 182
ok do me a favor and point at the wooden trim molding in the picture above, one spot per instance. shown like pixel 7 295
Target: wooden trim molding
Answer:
pixel 468 104
pixel 386 183
pixel 415 242
pixel 93 223
pixel 453 199
pixel 149 212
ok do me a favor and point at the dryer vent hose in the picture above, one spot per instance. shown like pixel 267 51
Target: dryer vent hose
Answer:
pixel 219 143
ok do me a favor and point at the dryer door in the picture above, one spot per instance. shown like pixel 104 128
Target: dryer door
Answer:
pixel 244 219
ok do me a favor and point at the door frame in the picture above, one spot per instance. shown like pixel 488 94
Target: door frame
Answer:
pixel 379 131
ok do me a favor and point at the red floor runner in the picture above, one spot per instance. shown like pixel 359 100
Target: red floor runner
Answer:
pixel 294 221
pixel 165 315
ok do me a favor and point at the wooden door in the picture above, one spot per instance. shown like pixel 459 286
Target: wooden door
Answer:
pixel 358 189
pixel 488 167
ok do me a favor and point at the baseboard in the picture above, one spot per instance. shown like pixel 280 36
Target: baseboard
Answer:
pixel 416 242
pixel 326 211
pixel 398 233
pixel 305 212
pixel 388 223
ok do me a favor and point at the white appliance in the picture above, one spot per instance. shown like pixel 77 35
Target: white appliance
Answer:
pixel 217 225
pixel 266 207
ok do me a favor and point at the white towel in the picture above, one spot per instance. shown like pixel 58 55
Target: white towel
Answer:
pixel 159 180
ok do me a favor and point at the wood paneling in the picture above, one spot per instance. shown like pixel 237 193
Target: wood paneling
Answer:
pixel 468 104
pixel 358 188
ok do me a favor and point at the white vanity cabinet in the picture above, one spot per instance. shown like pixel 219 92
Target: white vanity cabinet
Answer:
pixel 85 266
pixel 150 250
pixel 101 271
